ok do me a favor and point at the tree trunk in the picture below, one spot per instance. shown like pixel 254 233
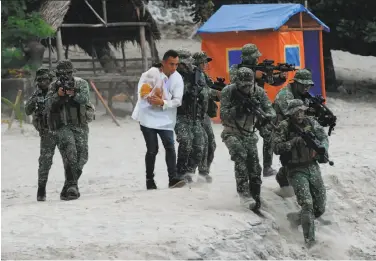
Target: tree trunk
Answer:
pixel 155 50
pixel 330 74
pixel 34 52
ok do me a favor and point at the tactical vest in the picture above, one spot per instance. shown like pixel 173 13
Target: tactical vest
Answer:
pixel 71 113
pixel 192 103
pixel 299 156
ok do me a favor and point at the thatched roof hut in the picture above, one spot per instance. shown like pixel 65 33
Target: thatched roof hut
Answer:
pixel 58 13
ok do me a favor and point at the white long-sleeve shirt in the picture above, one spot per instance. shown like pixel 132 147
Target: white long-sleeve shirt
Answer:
pixel 161 117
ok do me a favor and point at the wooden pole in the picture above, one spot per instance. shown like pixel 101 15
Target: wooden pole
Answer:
pixel 59 45
pixel 104 7
pixel 322 69
pixel 130 24
pixel 104 104
pixel 95 13
pixel 17 101
pixel 124 58
pixel 93 57
pixel 143 49
pixel 151 46
pixel 49 53
pixel 301 20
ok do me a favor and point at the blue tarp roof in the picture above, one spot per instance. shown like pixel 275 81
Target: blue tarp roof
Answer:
pixel 252 17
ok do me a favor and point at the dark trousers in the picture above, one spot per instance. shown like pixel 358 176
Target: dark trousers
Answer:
pixel 151 140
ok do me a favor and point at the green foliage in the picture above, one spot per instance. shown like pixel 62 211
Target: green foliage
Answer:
pixel 11 57
pixel 18 27
pixel 17 30
pixel 370 32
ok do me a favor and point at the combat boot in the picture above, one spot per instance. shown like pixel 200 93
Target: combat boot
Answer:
pixel 150 184
pixel 285 192
pixel 205 177
pixel 255 192
pixel 72 193
pixel 188 178
pixel 176 182
pixel 295 219
pixel 310 243
pixel 41 194
pixel 269 171
pixel 63 193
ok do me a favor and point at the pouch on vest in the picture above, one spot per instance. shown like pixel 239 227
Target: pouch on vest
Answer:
pixel 90 112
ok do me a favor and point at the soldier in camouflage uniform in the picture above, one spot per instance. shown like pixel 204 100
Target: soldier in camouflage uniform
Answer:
pixel 190 133
pixel 35 105
pixel 249 56
pixel 69 111
pixel 239 136
pixel 201 60
pixel 296 90
pixel 301 163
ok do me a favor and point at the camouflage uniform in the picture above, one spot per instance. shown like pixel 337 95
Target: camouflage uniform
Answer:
pixel 280 105
pixel 68 117
pixel 302 168
pixel 35 105
pixel 249 55
pixel 239 136
pixel 190 133
pixel 210 145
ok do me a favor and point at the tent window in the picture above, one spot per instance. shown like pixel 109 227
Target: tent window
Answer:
pixel 292 55
pixel 233 57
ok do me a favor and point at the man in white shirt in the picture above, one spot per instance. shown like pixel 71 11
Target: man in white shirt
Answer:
pixel 160 118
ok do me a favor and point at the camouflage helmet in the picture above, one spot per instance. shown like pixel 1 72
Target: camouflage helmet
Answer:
pixel 294 106
pixel 244 74
pixel 64 66
pixel 185 56
pixel 303 76
pixel 43 73
pixel 201 57
pixel 250 51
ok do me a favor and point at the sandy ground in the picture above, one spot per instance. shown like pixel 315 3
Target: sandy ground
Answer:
pixel 116 218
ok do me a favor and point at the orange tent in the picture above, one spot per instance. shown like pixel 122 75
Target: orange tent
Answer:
pixel 285 33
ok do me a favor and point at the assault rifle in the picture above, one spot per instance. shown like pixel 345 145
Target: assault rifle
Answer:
pixel 268 67
pixel 313 143
pixel 324 116
pixel 219 84
pixel 253 106
pixel 63 81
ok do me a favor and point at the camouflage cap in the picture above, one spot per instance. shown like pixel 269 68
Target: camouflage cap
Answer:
pixel 185 56
pixel 64 66
pixel 250 51
pixel 244 74
pixel 43 73
pixel 201 57
pixel 303 76
pixel 294 106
